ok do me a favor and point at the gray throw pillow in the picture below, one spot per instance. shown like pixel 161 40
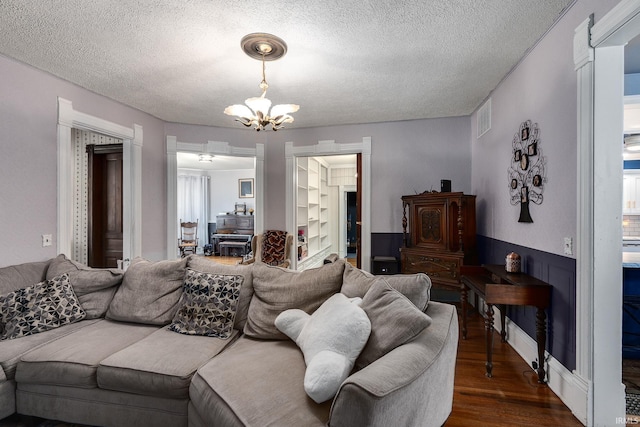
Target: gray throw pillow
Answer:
pixel 22 275
pixel 95 287
pixel 208 305
pixel 416 287
pixel 38 308
pixel 149 292
pixel 394 321
pixel 277 289
pixel 246 291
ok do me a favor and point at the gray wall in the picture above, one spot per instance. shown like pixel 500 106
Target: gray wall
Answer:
pixel 407 157
pixel 542 88
pixel 28 166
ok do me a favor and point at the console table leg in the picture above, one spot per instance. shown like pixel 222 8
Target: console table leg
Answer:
pixel 541 338
pixel 503 329
pixel 463 300
pixel 488 324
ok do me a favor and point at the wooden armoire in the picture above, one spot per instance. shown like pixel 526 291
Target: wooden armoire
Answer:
pixel 439 236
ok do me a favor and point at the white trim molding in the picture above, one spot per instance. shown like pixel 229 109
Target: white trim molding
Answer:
pixel 132 139
pixel 215 148
pixel 583 59
pixel 599 60
pixel 330 148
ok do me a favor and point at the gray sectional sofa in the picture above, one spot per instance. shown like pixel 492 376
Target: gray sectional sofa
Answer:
pixel 129 361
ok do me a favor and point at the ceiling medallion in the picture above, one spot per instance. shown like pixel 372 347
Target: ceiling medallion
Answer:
pixel 265 47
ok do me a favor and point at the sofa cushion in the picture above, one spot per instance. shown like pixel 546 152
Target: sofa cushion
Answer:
pixel 276 397
pixel 95 287
pixel 7 397
pixel 22 275
pixel 73 359
pixel 246 291
pixel 208 304
pixel 394 321
pixel 83 407
pixel 149 292
pixel 330 339
pixel 12 350
pixel 277 289
pixel 38 308
pixel 162 364
pixel 416 287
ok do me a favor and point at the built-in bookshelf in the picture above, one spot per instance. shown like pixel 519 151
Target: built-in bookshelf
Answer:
pixel 313 211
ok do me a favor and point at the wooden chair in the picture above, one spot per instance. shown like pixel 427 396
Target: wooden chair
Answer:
pixel 188 241
pixel 272 247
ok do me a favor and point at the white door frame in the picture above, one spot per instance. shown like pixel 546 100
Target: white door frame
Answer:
pixel 68 119
pixel 599 61
pixel 215 148
pixel 330 148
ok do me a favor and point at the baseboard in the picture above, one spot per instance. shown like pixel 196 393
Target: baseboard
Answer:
pixel 568 386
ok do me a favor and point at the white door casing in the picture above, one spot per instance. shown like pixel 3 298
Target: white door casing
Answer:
pixel 599 61
pixel 330 148
pixel 215 148
pixel 132 139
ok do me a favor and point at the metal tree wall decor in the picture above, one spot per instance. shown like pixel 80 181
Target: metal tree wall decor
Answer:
pixel 527 172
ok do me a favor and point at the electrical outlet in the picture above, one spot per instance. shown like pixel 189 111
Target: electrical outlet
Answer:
pixel 568 246
pixel 47 240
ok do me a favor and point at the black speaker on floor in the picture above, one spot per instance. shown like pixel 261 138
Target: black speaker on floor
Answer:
pixel 212 230
pixel 445 185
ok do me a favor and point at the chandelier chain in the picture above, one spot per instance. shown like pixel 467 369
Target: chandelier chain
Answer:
pixel 263 84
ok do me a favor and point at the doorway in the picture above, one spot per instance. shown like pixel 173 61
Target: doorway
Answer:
pixel 104 185
pixel 330 148
pixel 70 121
pixel 209 186
pixel 630 223
pixel 352 230
pixel 326 209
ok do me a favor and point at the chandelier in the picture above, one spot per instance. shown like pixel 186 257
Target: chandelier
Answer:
pixel 265 47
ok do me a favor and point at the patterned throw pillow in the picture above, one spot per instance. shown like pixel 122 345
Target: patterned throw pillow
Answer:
pixel 208 304
pixel 38 308
pixel 273 247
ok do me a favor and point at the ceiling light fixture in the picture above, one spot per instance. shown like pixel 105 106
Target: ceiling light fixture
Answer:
pixel 265 47
pixel 632 142
pixel 205 158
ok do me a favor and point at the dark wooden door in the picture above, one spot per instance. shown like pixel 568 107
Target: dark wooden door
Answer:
pixel 359 210
pixel 104 205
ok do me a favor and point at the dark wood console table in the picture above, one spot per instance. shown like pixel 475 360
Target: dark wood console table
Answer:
pixel 498 287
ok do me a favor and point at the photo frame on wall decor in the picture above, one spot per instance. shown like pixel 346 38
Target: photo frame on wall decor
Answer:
pixel 527 177
pixel 245 188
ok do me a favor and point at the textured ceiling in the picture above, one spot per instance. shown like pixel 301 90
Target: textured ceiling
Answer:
pixel 348 61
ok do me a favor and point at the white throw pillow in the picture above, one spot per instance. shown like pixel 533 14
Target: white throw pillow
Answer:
pixel 330 339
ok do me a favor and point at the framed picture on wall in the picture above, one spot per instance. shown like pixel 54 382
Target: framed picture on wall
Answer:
pixel 245 188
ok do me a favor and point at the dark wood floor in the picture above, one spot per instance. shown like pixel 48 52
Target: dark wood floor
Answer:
pixel 512 397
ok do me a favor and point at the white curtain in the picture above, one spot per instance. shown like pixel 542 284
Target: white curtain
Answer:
pixel 193 203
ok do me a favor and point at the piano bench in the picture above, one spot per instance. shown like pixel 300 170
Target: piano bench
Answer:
pixel 228 248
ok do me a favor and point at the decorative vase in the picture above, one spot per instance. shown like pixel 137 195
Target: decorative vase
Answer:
pixel 512 263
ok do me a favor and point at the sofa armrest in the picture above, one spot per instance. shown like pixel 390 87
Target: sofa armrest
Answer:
pixel 411 386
